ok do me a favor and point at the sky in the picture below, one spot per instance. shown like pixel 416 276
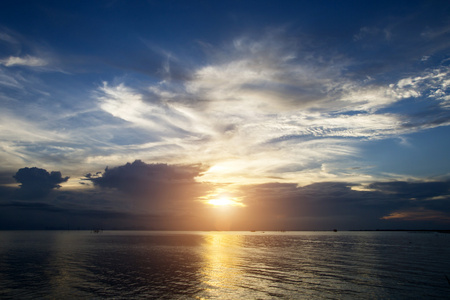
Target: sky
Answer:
pixel 225 115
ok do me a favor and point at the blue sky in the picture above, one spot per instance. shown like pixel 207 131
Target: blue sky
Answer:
pixel 310 100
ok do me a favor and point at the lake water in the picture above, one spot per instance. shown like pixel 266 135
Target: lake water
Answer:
pixel 224 265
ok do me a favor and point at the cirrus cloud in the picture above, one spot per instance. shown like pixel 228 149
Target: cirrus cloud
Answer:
pixel 27 61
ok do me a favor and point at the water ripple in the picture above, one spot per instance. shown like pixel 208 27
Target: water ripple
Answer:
pixel 216 265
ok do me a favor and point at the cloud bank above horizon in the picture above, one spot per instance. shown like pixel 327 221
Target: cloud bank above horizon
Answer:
pixel 167 197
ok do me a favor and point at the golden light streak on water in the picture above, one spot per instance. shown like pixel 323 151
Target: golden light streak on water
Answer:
pixel 221 266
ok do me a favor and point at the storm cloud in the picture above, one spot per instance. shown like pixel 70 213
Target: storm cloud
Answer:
pixel 139 175
pixel 339 204
pixel 36 182
pixel 139 195
pixel 153 187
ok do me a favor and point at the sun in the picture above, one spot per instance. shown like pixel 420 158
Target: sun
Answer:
pixel 223 197
pixel 221 202
pixel 224 202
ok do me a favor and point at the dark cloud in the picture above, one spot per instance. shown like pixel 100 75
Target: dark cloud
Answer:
pixel 6 192
pixel 432 117
pixel 160 196
pixel 338 204
pixel 132 196
pixel 26 215
pixel 154 187
pixel 107 208
pixel 5 177
pixel 413 190
pixel 36 182
pixel 32 206
pixel 139 175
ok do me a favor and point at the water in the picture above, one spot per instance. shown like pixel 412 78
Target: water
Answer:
pixel 224 265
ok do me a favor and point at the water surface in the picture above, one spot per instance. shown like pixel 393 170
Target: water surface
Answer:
pixel 224 265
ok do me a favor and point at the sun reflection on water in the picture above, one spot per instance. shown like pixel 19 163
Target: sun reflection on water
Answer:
pixel 221 269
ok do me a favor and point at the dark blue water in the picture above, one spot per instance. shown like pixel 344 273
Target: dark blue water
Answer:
pixel 234 265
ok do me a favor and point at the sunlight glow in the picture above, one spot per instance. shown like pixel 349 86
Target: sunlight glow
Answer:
pixel 223 197
pixel 223 202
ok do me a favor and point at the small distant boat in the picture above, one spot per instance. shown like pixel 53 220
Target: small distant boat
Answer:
pixel 335 230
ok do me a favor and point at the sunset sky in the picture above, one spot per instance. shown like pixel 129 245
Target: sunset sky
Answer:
pixel 228 115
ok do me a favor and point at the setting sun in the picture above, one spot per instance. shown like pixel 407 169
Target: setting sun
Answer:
pixel 224 202
pixel 221 202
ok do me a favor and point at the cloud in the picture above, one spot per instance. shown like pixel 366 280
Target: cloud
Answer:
pixel 154 187
pixel 7 38
pixel 36 182
pixel 371 32
pixel 420 214
pixel 259 108
pixel 269 97
pixel 141 175
pixel 433 84
pixel 344 204
pixel 11 81
pixel 25 215
pixel 143 111
pixel 413 190
pixel 25 51
pixel 170 196
pixel 270 75
pixel 27 61
pixel 436 32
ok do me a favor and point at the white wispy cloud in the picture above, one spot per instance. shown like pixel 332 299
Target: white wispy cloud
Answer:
pixel 132 106
pixel 25 141
pixel 269 79
pixel 27 61
pixel 262 112
pixel 433 83
pixel 8 38
pixel 9 81
pixel 436 33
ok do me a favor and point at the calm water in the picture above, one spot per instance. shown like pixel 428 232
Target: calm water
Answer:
pixel 235 265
